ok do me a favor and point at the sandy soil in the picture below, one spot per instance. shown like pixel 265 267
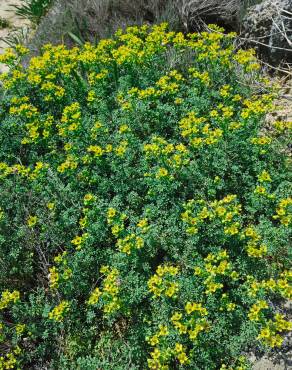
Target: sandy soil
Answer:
pixel 7 12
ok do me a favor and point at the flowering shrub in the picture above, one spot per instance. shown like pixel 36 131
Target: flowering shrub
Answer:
pixel 145 207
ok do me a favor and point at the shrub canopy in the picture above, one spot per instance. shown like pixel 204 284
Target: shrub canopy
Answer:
pixel 145 205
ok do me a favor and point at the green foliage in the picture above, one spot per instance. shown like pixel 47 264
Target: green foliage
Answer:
pixel 145 206
pixel 33 10
pixel 17 36
pixel 4 23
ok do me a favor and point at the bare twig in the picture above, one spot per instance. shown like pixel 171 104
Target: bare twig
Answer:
pixel 263 44
pixel 277 68
pixel 286 11
pixel 283 30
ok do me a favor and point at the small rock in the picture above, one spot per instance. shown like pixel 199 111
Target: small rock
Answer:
pixel 266 364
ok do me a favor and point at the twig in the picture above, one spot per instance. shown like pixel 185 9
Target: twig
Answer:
pixel 288 97
pixel 286 11
pixel 283 31
pixel 276 68
pixel 263 44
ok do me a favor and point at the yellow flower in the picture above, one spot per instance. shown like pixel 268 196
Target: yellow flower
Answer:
pixel 91 96
pixel 19 328
pixel 178 347
pixel 57 313
pixel 9 297
pixel 143 223
pixel 153 341
pixel 51 205
pixel 235 125
pixel 94 297
pixel 231 306
pixel 96 150
pixel 77 240
pixel 183 358
pixel 32 220
pixel 232 230
pixel 111 213
pixel 163 330
pixel 88 197
pixel 161 283
pixel 53 277
pixel 253 250
pixel 162 172
pixel 21 50
pixel 124 128
pixel 214 113
pixel 197 271
pixel 176 316
pixel 171 290
pixel 264 177
pixel 254 311
pixel 260 190
pixel 178 101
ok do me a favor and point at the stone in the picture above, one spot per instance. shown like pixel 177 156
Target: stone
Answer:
pixel 268 28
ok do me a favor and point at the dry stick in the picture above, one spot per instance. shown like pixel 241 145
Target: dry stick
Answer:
pixel 261 43
pixel 282 31
pixel 43 257
pixel 268 36
pixel 286 11
pixel 276 68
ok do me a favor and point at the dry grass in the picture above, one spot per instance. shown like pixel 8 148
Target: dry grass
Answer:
pixel 102 17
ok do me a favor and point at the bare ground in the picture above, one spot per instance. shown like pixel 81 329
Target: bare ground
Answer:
pixel 7 13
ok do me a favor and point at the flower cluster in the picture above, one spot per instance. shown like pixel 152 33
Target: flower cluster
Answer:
pixel 255 310
pixel 247 59
pixel 281 126
pixel 62 273
pixel 215 266
pixel 168 84
pixel 59 311
pixel 199 211
pixel 283 212
pixel 254 247
pixel 174 155
pixel 79 240
pixel 127 241
pixel 198 131
pixel 269 334
pixel 263 186
pixel 282 285
pixel 31 173
pixel 109 292
pixel 162 282
pixel 70 120
pixel 191 322
pixel 8 297
pixel 9 360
